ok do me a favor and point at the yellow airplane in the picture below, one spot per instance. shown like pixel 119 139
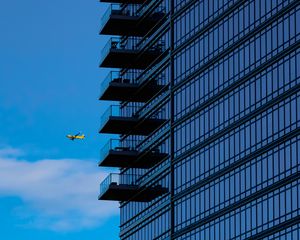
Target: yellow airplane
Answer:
pixel 77 136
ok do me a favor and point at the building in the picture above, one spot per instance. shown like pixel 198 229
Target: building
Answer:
pixel 209 118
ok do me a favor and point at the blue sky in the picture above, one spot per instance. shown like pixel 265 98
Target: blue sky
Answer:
pixel 49 85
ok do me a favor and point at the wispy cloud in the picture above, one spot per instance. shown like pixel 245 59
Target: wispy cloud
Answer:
pixel 57 194
pixel 6 151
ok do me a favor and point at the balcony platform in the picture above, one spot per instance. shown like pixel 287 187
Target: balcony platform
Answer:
pixel 126 192
pixel 126 58
pixel 123 91
pixel 122 24
pixel 131 125
pixel 124 158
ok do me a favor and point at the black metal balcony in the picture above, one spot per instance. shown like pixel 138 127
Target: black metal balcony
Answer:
pixel 115 123
pixel 124 155
pixel 116 55
pixel 123 22
pixel 118 88
pixel 118 187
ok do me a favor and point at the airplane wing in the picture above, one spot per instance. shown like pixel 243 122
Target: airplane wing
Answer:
pixel 70 137
pixel 77 136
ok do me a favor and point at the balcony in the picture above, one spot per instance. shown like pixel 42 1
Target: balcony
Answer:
pixel 123 22
pixel 124 155
pixel 117 55
pixel 118 88
pixel 118 187
pixel 114 122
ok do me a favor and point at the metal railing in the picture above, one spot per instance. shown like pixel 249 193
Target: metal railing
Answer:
pixel 117 145
pixel 117 9
pixel 118 111
pixel 118 43
pixel 118 179
pixel 117 77
pixel 113 76
pixel 114 9
pixel 113 43
pixel 129 112
pixel 113 110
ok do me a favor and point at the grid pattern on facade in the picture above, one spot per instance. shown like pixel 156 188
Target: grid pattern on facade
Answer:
pixel 229 72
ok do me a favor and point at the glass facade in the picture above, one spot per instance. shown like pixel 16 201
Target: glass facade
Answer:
pixel 222 128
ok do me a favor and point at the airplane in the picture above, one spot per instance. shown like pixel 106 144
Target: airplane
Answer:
pixel 77 136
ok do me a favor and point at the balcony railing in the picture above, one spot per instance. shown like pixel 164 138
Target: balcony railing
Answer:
pixel 116 111
pixel 119 20
pixel 125 154
pixel 117 145
pixel 116 87
pixel 112 9
pixel 113 77
pixel 117 179
pixel 120 53
pixel 108 79
pixel 125 121
pixel 114 43
pixel 125 187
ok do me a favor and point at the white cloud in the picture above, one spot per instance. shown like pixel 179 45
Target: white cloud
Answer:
pixel 60 194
